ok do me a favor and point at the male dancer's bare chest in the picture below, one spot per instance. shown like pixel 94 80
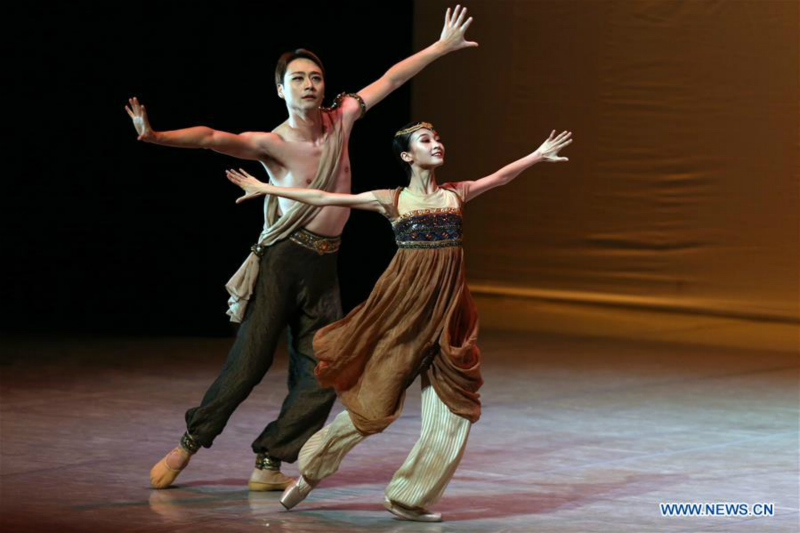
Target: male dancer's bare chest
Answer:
pixel 298 167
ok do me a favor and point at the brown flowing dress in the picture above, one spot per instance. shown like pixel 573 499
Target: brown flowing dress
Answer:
pixel 420 317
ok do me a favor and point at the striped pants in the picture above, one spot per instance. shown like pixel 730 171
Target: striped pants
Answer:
pixel 427 470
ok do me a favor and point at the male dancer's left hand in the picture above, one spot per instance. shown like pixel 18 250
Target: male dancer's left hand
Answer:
pixel 454 29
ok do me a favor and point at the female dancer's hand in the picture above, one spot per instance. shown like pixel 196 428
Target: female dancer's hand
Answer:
pixel 549 149
pixel 138 113
pixel 250 185
pixel 452 37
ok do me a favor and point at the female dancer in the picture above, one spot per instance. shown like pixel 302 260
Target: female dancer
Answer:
pixel 419 319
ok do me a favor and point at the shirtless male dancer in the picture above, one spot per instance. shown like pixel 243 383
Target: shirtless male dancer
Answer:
pixel 296 253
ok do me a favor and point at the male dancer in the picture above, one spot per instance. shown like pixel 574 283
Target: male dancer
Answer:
pixel 296 253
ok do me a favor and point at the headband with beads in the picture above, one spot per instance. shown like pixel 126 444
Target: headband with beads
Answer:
pixel 415 127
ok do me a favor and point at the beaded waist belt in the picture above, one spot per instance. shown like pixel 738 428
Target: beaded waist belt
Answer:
pixel 306 239
pixel 318 243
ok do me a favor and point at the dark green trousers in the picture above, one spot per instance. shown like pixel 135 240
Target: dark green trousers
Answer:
pixel 297 287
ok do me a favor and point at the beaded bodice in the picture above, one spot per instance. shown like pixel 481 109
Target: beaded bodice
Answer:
pixel 428 228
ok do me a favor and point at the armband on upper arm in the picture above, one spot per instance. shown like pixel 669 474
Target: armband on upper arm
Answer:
pixel 338 101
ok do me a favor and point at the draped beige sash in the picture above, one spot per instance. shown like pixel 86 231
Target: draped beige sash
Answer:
pixel 241 285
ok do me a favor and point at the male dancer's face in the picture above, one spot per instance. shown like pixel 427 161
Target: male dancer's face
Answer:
pixel 303 86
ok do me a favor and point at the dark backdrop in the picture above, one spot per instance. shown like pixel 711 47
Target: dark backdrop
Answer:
pixel 102 233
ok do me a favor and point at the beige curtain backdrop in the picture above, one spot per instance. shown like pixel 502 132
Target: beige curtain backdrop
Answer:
pixel 681 193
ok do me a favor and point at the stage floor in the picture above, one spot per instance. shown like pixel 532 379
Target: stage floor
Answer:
pixel 577 435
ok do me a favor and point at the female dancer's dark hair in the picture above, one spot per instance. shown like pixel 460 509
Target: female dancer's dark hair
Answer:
pixel 401 142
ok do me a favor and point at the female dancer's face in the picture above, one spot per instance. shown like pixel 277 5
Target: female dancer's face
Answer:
pixel 425 149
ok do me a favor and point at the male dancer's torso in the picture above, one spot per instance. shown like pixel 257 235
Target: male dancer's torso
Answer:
pixel 294 164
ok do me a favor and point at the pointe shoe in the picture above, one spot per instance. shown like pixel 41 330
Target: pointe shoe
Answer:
pixel 162 475
pixel 414 515
pixel 296 492
pixel 265 480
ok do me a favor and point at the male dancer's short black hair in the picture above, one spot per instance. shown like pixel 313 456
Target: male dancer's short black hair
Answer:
pixel 288 57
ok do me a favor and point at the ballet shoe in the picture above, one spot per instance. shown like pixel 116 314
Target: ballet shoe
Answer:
pixel 162 475
pixel 262 480
pixel 296 492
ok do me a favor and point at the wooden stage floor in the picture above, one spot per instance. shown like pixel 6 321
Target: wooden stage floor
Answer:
pixel 577 435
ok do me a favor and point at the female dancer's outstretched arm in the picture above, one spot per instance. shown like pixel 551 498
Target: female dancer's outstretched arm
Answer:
pixel 547 152
pixel 254 188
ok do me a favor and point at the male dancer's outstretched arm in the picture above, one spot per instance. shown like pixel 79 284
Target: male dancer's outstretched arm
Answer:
pixel 252 146
pixel 451 39
pixel 257 146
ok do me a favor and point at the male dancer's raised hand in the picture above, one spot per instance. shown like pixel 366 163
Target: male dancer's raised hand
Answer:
pixel 138 114
pixel 451 39
pixel 455 28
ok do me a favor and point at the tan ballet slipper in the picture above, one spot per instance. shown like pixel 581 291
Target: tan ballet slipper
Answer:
pixel 162 474
pixel 267 480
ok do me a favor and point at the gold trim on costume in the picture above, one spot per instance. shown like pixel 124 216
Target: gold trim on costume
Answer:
pixel 318 243
pixel 357 97
pixel 430 211
pixel 429 244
